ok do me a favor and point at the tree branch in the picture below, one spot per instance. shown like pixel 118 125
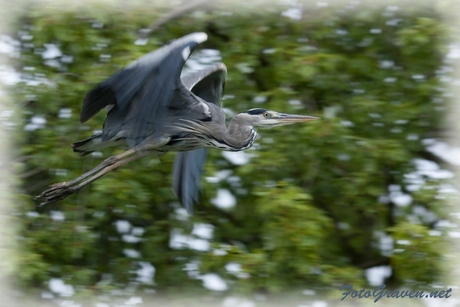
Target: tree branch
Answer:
pixel 180 11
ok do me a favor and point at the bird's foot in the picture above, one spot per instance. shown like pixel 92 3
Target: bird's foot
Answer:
pixel 56 192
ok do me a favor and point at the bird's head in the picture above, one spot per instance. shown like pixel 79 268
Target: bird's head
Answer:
pixel 266 118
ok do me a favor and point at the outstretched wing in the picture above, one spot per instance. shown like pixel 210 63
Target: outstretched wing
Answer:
pixel 207 84
pixel 142 92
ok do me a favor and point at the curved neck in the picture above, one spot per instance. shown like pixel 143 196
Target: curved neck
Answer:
pixel 238 135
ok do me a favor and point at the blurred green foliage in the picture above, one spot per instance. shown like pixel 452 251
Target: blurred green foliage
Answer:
pixel 308 208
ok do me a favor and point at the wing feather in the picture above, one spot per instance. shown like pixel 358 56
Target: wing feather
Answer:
pixel 207 84
pixel 144 90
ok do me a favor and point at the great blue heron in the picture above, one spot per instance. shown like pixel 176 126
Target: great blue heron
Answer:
pixel 155 111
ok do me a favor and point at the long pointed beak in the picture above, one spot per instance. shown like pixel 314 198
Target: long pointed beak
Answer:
pixel 285 119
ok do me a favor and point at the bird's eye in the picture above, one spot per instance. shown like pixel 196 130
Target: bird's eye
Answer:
pixel 266 114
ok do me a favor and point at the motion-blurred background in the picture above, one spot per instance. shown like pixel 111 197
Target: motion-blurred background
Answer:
pixel 360 197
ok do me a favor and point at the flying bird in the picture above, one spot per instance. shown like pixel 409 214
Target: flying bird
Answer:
pixel 154 110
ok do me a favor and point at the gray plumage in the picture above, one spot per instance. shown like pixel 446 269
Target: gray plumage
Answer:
pixel 153 110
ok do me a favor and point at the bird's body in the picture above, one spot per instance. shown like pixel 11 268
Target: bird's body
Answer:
pixel 184 134
pixel 153 111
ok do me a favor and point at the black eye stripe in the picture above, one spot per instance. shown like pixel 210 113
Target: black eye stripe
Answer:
pixel 256 111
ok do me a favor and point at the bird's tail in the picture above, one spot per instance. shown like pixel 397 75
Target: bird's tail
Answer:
pixel 94 143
